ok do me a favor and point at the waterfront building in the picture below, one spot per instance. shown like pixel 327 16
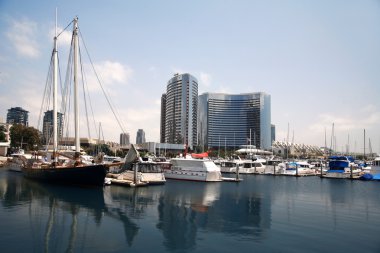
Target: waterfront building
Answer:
pixel 124 139
pixel 296 150
pixel 161 149
pixel 140 136
pixel 232 120
pixel 180 108
pixel 17 115
pixel 47 126
pixel 163 117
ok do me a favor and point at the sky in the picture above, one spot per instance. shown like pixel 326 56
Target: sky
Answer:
pixel 319 60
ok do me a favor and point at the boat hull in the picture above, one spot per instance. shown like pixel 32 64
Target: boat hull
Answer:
pixel 91 175
pixel 210 176
pixel 145 177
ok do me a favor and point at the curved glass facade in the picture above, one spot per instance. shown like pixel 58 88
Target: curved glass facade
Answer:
pixel 234 120
pixel 181 110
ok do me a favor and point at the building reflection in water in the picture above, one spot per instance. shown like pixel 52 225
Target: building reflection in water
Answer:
pixel 72 218
pixel 187 208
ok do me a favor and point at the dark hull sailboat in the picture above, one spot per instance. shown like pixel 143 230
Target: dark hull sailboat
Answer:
pixel 87 175
pixel 74 172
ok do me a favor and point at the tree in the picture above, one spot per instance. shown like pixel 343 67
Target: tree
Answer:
pixel 2 134
pixel 24 137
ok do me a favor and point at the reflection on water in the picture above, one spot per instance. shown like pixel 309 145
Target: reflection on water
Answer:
pixel 260 212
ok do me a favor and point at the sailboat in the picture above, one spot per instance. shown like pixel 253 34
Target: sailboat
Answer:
pixel 72 170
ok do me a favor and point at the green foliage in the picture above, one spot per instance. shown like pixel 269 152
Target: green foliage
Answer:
pixel 2 134
pixel 24 137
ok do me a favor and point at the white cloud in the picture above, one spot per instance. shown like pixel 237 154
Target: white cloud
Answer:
pixel 64 38
pixel 110 73
pixel 178 70
pixel 367 119
pixel 205 79
pixel 113 72
pixel 223 89
pixel 22 34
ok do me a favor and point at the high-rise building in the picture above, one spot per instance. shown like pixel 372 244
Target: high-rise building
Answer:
pixel 181 110
pixel 17 115
pixel 273 133
pixel 47 127
pixel 163 117
pixel 234 120
pixel 140 136
pixel 124 139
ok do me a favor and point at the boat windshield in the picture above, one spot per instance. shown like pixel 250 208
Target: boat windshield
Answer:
pixel 150 168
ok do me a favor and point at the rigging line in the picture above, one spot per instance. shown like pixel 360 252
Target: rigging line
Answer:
pixel 68 102
pixel 86 89
pixel 67 97
pixel 64 100
pixel 45 92
pixel 101 86
pixel 67 79
pixel 84 93
pixel 65 28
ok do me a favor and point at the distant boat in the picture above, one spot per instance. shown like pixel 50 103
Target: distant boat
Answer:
pixel 69 171
pixel 18 160
pixel 300 168
pixel 136 172
pixel 341 166
pixel 272 166
pixel 374 172
pixel 193 169
pixel 230 166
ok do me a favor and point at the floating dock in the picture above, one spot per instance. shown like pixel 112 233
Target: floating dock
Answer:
pixel 231 179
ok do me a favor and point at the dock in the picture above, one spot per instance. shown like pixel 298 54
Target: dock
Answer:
pixel 127 182
pixel 114 179
pixel 231 179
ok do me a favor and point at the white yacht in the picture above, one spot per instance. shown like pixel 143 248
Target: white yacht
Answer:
pixel 136 172
pixel 18 160
pixel 193 169
pixel 229 166
pixel 299 168
pixel 272 166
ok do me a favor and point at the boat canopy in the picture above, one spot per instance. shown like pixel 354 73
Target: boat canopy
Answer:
pixel 199 156
pixel 344 158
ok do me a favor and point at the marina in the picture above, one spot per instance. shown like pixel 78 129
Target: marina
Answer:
pixel 261 213
pixel 194 143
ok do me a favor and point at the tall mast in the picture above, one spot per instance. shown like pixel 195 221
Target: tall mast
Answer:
pixel 76 106
pixel 364 147
pixel 55 91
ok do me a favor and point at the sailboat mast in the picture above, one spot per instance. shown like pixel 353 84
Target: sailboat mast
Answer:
pixel 55 92
pixel 76 106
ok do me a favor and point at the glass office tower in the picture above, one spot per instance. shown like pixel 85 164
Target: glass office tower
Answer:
pixel 140 136
pixel 17 115
pixel 181 103
pixel 47 127
pixel 234 120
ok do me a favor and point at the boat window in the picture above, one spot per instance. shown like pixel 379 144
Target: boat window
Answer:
pixel 247 165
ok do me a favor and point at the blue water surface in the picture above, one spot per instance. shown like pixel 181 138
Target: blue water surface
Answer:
pixel 260 214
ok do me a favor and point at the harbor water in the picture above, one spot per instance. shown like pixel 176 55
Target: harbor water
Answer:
pixel 260 214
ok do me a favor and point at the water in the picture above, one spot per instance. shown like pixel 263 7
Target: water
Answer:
pixel 260 214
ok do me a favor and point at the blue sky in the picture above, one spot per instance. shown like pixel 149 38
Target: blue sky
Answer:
pixel 319 60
